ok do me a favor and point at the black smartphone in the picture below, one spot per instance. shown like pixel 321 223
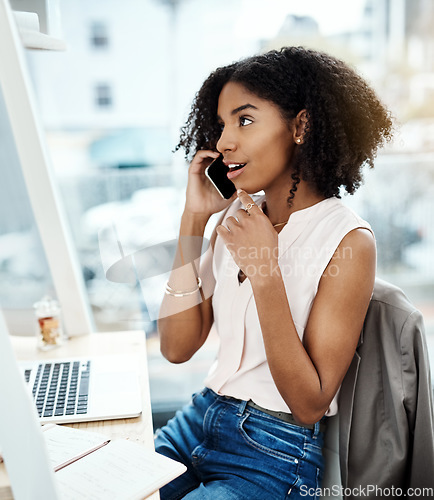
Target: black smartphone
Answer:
pixel 217 173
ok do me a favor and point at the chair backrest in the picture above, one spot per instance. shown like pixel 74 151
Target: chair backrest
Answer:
pixel 386 397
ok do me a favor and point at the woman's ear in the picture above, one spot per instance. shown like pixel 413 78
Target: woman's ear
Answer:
pixel 301 125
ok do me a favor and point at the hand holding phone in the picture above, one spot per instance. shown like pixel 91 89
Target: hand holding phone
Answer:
pixel 217 174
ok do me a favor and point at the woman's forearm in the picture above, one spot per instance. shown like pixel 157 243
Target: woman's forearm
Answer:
pixel 183 322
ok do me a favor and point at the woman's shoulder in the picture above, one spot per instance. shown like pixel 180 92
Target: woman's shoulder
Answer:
pixel 336 213
pixel 329 223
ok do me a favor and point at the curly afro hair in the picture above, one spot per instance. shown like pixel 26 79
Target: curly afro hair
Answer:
pixel 347 123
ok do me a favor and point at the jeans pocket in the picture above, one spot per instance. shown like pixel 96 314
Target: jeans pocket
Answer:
pixel 272 438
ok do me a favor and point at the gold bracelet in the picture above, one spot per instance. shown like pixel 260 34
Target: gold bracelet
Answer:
pixel 178 293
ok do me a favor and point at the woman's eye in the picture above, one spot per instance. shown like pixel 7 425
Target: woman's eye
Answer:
pixel 245 121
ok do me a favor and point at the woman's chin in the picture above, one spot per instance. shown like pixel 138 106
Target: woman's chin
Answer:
pixel 248 189
pixel 245 186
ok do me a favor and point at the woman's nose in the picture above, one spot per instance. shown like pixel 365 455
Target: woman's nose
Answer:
pixel 226 142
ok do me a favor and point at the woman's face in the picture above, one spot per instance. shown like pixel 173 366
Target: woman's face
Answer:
pixel 256 142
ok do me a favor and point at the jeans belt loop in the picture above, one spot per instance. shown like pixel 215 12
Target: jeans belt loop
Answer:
pixel 242 407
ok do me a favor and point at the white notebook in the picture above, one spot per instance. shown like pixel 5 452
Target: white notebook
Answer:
pixel 90 466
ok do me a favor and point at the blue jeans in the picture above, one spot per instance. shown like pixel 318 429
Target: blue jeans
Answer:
pixel 235 452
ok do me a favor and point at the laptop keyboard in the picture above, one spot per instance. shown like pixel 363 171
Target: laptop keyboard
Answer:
pixel 61 388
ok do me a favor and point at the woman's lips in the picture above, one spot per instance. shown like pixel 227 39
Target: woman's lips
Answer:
pixel 235 170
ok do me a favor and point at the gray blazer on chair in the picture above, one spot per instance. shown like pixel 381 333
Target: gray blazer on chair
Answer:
pixel 386 431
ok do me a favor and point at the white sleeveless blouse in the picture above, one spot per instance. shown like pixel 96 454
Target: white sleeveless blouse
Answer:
pixel 306 245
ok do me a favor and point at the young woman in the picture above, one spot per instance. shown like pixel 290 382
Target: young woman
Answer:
pixel 288 277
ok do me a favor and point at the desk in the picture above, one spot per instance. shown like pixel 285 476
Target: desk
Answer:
pixel 137 429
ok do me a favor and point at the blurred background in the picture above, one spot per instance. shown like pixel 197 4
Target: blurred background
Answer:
pixel 112 106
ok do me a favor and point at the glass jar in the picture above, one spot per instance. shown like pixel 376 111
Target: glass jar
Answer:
pixel 49 330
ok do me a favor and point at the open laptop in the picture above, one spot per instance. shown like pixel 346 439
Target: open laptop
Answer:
pixel 84 389
pixel 122 469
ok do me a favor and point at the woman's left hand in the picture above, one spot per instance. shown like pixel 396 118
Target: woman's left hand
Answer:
pixel 251 240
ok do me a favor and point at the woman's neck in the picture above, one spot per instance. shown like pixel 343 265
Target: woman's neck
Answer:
pixel 277 209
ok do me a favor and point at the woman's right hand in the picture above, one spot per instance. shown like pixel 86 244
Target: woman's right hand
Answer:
pixel 202 199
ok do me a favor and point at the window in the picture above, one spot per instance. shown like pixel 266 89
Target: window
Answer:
pixel 103 95
pixel 99 35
